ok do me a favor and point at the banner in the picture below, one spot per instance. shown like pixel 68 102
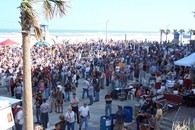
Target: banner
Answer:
pixel 186 36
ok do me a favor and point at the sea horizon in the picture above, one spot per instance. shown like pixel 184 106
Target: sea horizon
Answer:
pixel 8 30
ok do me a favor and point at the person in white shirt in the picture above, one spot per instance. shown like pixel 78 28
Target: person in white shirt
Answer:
pixel 70 118
pixel 19 118
pixel 162 88
pixel 44 109
pixel 74 78
pixel 85 86
pixel 180 81
pixel 84 115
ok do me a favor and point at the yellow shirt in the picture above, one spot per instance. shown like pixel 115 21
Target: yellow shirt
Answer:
pixel 158 113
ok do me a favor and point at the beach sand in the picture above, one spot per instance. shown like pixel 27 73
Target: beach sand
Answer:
pixel 83 37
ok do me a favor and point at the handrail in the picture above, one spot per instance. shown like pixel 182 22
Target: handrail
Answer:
pixel 176 113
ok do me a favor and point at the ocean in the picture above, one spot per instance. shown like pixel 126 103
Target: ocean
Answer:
pixel 84 35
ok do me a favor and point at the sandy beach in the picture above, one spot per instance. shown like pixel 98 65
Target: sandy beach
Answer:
pixel 83 36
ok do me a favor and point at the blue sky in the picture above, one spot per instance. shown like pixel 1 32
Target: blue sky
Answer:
pixel 125 15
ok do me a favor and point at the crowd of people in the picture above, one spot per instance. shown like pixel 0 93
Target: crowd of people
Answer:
pixel 56 70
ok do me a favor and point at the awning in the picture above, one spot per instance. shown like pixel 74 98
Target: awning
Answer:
pixel 186 61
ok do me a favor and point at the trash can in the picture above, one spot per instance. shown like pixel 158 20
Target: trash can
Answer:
pixel 113 120
pixel 128 114
pixel 136 109
pixel 105 123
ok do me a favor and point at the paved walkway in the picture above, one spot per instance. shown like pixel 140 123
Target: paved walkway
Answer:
pixel 97 110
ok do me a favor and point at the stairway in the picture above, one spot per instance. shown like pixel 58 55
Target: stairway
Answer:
pixel 166 124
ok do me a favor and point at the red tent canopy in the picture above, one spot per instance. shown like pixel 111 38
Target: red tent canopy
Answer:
pixel 7 42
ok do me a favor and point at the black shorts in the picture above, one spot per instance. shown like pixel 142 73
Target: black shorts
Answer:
pixel 59 102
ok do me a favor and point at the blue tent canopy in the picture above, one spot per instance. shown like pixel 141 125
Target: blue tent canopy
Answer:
pixel 41 43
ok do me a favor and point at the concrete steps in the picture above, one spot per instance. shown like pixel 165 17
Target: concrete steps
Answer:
pixel 166 124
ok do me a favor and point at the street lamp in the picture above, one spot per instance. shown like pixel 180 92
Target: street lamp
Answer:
pixel 107 30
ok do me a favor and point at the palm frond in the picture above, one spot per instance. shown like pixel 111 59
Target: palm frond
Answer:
pixel 54 8
pixel 181 31
pixel 29 18
pixel 60 7
pixel 167 31
pixel 48 9
pixel 162 31
pixel 38 32
pixel 190 31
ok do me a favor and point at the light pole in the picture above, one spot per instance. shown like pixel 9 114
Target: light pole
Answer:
pixel 107 30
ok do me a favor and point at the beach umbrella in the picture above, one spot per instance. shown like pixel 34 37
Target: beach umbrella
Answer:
pixel 7 42
pixel 41 43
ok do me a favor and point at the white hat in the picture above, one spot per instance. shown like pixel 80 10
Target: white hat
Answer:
pixel 18 106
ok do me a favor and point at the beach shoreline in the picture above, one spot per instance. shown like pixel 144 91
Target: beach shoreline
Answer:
pixel 83 36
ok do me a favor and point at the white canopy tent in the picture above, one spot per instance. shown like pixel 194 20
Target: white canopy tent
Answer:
pixel 186 61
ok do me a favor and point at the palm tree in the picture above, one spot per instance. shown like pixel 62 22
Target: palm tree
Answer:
pixel 191 32
pixel 181 31
pixel 29 20
pixel 174 31
pixel 161 33
pixel 167 31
